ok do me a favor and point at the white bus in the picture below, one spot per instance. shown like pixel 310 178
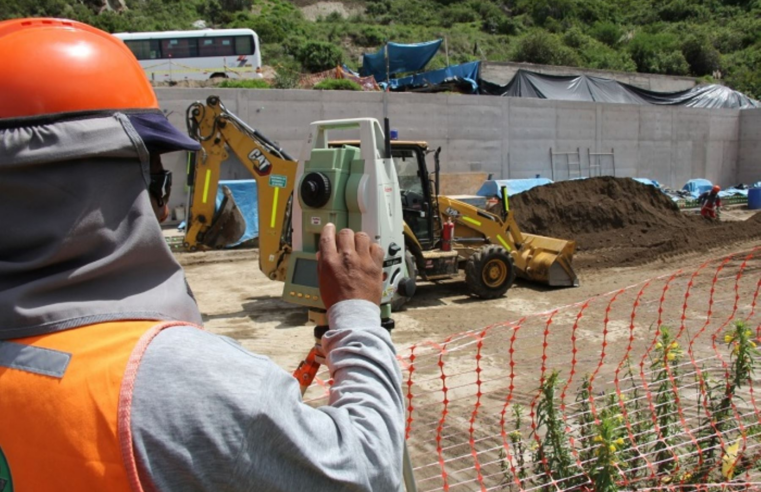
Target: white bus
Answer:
pixel 196 55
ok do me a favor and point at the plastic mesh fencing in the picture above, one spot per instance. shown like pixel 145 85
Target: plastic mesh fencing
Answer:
pixel 650 387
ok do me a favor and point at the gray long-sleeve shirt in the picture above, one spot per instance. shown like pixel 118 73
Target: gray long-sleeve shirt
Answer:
pixel 209 415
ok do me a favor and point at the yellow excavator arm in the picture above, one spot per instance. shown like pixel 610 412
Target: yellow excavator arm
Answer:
pixel 218 130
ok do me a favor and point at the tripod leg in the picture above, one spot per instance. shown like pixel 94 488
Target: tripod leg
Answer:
pixel 407 473
pixel 308 367
pixel 307 370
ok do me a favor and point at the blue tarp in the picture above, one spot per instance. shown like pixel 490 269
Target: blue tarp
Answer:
pixel 466 72
pixel 514 186
pixel 401 58
pixel 733 192
pixel 648 181
pixel 697 186
pixel 246 197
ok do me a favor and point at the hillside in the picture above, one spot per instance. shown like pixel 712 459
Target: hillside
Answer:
pixel 701 38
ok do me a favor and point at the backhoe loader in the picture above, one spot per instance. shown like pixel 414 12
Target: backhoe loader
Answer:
pixel 489 247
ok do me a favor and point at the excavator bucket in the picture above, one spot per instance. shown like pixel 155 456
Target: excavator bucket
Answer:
pixel 228 224
pixel 548 261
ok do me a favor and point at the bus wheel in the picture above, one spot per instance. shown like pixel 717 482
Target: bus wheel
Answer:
pixel 218 75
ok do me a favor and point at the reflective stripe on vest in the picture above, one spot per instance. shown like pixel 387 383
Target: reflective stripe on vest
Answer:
pixel 66 403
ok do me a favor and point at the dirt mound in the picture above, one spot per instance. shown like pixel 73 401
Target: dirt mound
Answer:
pixel 623 222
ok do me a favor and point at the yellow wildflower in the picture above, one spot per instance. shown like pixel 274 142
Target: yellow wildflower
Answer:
pixel 620 441
pixel 598 438
pixel 729 460
pixel 753 344
pixel 659 345
pixel 671 356
pixel 620 418
pixel 748 333
pixel 674 345
pixel 728 338
pixel 612 448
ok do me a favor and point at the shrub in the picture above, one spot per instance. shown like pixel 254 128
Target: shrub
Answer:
pixel 235 5
pixel 545 49
pixel 286 79
pixel 604 58
pixel 316 56
pixel 509 26
pixel 606 32
pixel 338 85
pixel 680 10
pixel 575 38
pixel 334 16
pixel 658 53
pixel 700 55
pixel 542 10
pixel 378 7
pixel 245 84
pixel 456 14
pixel 672 63
pixel 369 36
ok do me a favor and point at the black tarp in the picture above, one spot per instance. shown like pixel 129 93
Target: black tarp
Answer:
pixel 598 89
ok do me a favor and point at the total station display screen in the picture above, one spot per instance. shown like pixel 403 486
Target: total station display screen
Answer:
pixel 305 272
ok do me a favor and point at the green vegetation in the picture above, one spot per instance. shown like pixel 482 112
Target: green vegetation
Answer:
pixel 638 437
pixel 338 85
pixel 699 38
pixel 245 84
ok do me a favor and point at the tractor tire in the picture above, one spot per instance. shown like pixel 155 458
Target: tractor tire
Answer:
pixel 398 302
pixel 489 272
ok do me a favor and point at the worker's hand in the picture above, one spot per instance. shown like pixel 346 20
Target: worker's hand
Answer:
pixel 349 266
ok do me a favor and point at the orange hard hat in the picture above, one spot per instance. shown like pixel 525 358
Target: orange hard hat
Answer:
pixel 54 66
pixel 716 188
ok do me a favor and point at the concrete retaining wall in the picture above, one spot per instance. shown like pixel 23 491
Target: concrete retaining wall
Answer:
pixel 502 72
pixel 749 161
pixel 511 138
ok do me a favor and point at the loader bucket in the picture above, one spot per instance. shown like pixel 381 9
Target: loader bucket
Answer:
pixel 547 260
pixel 228 224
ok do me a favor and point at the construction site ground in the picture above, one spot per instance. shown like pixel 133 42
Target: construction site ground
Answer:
pixel 239 302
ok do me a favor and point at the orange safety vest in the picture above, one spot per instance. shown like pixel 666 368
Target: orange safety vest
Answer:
pixel 73 432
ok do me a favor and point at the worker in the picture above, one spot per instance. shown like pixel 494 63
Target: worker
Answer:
pixel 710 203
pixel 108 381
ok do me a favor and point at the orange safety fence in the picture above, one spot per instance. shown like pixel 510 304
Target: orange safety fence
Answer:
pixel 650 387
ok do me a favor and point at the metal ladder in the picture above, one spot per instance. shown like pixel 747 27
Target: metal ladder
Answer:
pixel 573 167
pixel 596 164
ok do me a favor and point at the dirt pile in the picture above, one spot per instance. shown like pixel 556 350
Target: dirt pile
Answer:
pixel 623 222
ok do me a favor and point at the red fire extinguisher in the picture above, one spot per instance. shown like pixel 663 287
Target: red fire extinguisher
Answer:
pixel 447 234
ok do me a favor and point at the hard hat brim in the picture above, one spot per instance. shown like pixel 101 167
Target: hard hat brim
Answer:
pixel 159 135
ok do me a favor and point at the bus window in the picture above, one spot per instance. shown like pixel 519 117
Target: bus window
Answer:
pixel 147 49
pixel 244 45
pixel 216 46
pixel 179 48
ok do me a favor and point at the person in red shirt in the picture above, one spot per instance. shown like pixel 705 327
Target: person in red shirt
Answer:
pixel 710 203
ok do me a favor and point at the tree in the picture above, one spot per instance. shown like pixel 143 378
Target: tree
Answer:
pixel 316 56
pixel 700 55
